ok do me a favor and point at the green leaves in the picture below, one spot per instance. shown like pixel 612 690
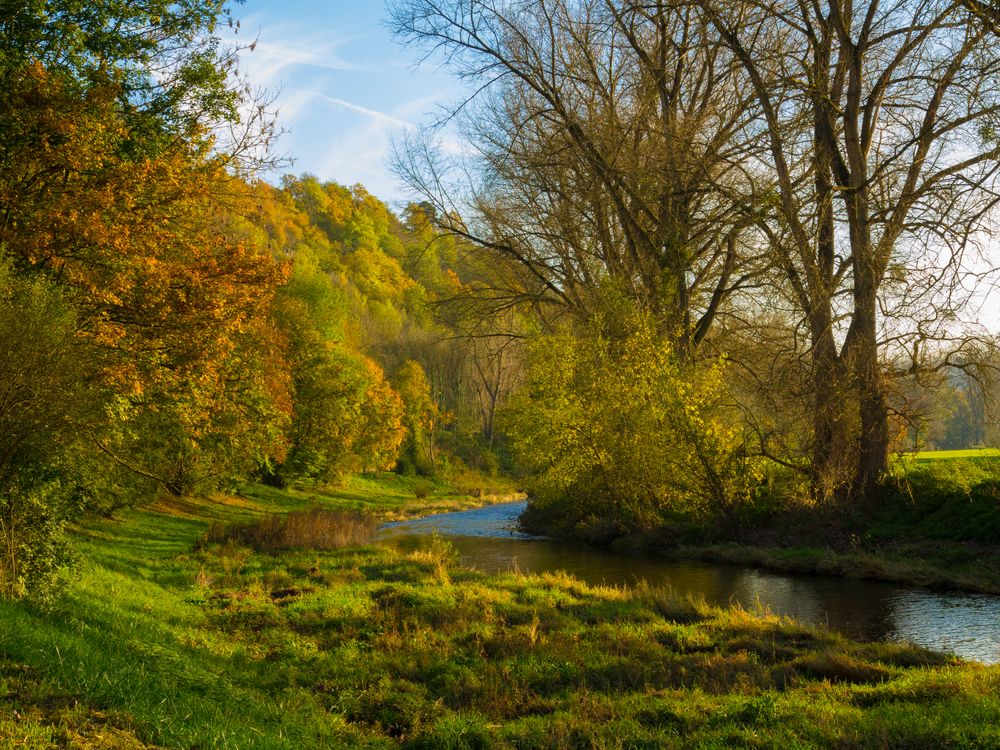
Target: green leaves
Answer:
pixel 165 56
pixel 616 429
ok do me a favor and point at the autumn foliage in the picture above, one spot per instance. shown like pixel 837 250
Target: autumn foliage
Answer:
pixel 619 435
pixel 166 323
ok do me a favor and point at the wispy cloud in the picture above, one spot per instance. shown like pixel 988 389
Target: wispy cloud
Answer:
pixel 269 60
pixel 341 95
pixel 278 48
pixel 372 113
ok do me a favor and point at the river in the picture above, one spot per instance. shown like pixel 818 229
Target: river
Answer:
pixel 489 540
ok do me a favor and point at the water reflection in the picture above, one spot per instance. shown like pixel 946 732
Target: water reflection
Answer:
pixel 488 539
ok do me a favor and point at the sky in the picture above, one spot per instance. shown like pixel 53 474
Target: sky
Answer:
pixel 344 87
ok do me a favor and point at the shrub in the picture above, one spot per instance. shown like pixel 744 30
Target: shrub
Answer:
pixel 33 546
pixel 316 528
pixel 616 432
pixel 44 396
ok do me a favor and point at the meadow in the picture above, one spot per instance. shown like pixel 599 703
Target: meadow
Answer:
pixel 968 453
pixel 165 638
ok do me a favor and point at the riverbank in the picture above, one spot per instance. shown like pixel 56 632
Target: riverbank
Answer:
pixel 947 567
pixel 938 527
pixel 932 564
pixel 160 641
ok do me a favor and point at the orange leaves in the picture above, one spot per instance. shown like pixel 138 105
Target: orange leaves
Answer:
pixel 383 432
pixel 169 295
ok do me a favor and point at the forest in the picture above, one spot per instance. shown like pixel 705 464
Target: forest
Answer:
pixel 706 281
pixel 645 334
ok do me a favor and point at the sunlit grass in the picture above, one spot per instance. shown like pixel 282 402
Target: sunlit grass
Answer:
pixel 159 643
pixel 973 453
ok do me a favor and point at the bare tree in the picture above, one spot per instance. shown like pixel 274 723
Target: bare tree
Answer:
pixel 608 143
pixel 882 127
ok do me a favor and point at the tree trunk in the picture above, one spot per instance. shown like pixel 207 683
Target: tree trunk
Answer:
pixel 873 443
pixel 831 462
pixel 830 440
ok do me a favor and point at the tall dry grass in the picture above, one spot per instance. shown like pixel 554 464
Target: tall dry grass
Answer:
pixel 316 528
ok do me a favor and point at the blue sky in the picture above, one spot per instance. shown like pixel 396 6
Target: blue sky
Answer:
pixel 346 88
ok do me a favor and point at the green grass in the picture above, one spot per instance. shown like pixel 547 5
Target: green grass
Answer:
pixel 157 643
pixel 971 453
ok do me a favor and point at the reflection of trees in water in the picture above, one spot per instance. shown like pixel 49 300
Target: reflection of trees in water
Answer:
pixel 860 609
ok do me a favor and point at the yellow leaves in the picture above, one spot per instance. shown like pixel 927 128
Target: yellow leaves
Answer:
pixel 619 425
pixel 346 415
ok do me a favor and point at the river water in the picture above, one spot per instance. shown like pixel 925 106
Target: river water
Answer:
pixel 489 540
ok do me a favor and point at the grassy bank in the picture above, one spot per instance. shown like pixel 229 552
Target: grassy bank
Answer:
pixel 162 641
pixel 945 566
pixel 937 525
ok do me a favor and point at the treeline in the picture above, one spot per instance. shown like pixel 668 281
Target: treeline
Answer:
pixel 382 373
pixel 798 196
pixel 171 324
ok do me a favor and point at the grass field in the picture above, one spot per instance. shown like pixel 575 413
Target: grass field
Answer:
pixel 971 453
pixel 158 642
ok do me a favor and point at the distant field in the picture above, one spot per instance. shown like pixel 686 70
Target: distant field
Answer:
pixel 923 456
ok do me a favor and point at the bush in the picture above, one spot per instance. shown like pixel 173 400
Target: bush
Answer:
pixel 44 398
pixel 33 545
pixel 616 433
pixel 316 528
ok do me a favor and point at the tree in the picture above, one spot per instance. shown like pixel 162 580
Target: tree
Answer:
pixel 346 417
pixel 882 150
pixel 164 292
pixel 609 145
pixel 43 397
pixel 172 77
pixel 618 435
pixel 420 417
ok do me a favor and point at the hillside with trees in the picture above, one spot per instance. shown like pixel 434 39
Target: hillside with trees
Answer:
pixel 172 324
